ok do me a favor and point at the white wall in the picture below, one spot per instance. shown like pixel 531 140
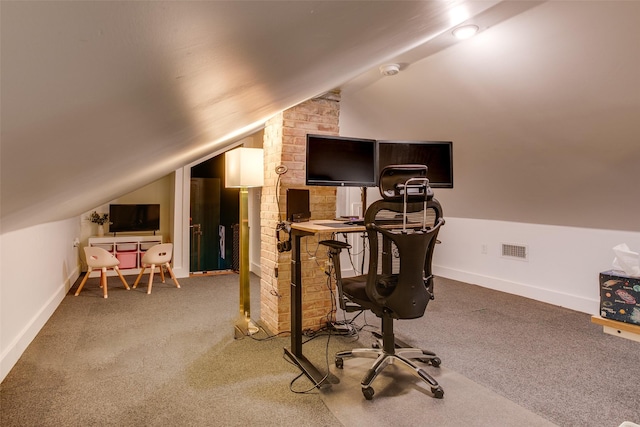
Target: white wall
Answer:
pixel 38 266
pixel 562 266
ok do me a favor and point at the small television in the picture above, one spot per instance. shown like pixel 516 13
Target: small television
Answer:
pixel 125 218
pixel 436 155
pixel 341 161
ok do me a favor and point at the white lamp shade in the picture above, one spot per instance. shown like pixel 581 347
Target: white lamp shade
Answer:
pixel 244 167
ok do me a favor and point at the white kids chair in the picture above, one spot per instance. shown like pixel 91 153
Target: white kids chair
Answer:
pixel 98 258
pixel 157 255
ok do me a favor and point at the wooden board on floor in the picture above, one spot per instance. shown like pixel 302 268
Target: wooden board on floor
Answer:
pixel 622 329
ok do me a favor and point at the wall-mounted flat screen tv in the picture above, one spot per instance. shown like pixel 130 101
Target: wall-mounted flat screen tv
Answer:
pixel 341 161
pixel 124 218
pixel 436 155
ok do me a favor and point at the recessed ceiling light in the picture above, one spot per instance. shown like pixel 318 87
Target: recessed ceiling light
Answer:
pixel 389 69
pixel 465 31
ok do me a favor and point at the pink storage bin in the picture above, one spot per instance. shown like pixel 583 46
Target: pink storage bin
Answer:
pixel 127 259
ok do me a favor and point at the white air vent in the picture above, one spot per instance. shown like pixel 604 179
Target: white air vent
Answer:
pixel 515 251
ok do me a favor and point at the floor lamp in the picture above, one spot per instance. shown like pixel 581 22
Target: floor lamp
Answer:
pixel 244 168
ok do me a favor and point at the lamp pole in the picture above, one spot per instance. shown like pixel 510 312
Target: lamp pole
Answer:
pixel 244 169
pixel 245 300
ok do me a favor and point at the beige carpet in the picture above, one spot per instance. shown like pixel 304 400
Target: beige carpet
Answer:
pixel 403 400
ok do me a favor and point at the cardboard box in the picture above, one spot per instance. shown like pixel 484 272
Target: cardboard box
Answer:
pixel 620 297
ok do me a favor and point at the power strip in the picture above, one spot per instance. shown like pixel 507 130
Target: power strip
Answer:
pixel 340 329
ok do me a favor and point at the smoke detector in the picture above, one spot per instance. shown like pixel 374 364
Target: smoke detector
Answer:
pixel 465 31
pixel 389 69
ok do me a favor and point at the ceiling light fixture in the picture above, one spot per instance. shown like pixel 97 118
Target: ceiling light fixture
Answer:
pixel 465 31
pixel 389 69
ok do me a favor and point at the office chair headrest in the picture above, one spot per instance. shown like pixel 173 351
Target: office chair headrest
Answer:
pixel 396 179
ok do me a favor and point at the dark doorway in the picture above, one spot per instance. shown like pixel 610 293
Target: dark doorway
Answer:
pixel 214 211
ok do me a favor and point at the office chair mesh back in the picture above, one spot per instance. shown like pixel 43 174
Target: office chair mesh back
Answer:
pixel 402 284
pixel 393 262
pixel 402 229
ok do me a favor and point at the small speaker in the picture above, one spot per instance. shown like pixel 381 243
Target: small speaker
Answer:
pixel 298 205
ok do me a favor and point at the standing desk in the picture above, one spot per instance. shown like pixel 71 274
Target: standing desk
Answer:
pixel 298 231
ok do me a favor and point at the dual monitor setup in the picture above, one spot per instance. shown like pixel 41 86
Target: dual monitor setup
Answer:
pixel 330 161
pixel 357 162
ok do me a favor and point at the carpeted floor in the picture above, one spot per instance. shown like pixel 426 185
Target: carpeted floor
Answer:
pixel 169 359
pixel 402 400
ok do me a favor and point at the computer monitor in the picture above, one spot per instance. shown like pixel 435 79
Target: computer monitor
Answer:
pixel 341 161
pixel 436 155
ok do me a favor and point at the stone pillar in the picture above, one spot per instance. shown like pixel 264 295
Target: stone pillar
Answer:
pixel 284 145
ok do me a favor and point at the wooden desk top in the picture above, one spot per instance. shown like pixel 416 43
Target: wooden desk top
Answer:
pixel 326 226
pixel 333 226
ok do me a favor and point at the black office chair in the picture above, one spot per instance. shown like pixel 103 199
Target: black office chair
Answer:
pixel 404 224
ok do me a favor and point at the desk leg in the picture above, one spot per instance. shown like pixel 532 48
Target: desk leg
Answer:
pixel 295 353
pixel 296 295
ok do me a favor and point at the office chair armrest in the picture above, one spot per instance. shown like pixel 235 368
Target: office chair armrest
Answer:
pixel 335 244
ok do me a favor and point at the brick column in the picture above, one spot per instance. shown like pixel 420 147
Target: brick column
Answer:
pixel 285 144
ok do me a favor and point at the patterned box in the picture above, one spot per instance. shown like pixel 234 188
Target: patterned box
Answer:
pixel 620 297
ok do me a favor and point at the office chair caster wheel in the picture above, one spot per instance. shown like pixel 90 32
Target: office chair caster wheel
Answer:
pixel 435 362
pixel 339 363
pixel 368 393
pixel 438 392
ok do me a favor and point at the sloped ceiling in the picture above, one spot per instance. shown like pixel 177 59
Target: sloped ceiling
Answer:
pixel 543 110
pixel 101 98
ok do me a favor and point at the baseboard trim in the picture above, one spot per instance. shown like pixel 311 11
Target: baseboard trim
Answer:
pixel 180 272
pixel 573 302
pixel 255 269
